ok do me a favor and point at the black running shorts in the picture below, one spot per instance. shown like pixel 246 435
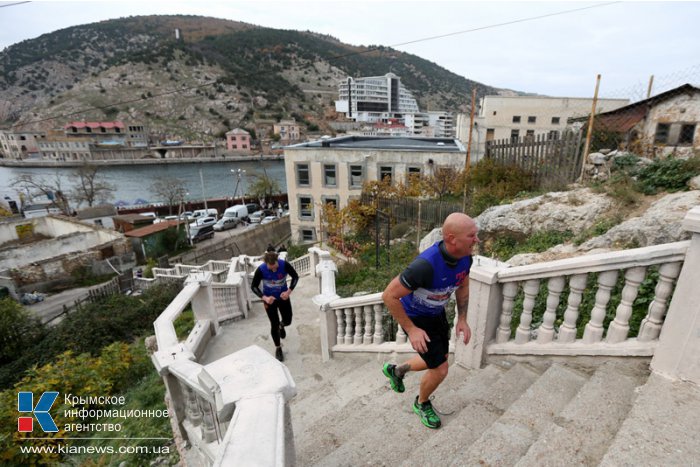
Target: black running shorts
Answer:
pixel 438 331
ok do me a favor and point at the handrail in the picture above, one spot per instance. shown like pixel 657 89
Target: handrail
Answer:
pixel 645 256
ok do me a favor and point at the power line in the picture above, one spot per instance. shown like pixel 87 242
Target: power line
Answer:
pixel 466 31
pixel 368 50
pixel 13 4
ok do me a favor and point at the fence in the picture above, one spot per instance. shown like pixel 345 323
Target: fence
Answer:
pixel 551 160
pixel 431 212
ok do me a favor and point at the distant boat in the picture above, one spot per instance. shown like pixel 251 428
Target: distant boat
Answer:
pixel 171 142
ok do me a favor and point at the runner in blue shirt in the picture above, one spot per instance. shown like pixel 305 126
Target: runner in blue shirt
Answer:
pixel 275 295
pixel 417 298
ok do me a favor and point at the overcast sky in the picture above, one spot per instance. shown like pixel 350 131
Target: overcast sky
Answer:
pixel 558 55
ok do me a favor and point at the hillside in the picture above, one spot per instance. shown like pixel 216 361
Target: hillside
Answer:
pixel 218 75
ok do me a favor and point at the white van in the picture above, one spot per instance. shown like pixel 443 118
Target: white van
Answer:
pixel 204 213
pixel 238 212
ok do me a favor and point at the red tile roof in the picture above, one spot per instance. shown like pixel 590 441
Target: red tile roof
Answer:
pixel 94 125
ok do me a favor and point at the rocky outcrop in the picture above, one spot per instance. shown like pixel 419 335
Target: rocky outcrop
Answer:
pixel 574 210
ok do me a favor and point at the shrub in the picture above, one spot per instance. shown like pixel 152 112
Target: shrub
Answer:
pixel 668 174
pixel 18 330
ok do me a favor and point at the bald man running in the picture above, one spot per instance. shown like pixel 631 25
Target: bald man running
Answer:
pixel 416 299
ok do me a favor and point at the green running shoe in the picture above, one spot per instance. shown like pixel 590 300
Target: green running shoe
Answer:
pixel 427 414
pixel 396 382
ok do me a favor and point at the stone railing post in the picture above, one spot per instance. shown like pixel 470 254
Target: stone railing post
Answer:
pixel 679 343
pixel 485 298
pixel 326 270
pixel 203 301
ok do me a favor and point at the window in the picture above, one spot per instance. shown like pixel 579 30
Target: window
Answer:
pixel 307 235
pixel 386 171
pixel 357 176
pixel 531 119
pixel 516 118
pixel 662 130
pixel 329 175
pixel 303 176
pixel 514 135
pixel 530 135
pixel 306 208
pixel 555 120
pixel 554 134
pixel 494 112
pixel 414 171
pixel 687 134
pixel 330 200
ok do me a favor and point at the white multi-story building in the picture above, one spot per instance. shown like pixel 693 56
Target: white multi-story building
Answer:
pixel 513 117
pixel 334 170
pixel 375 98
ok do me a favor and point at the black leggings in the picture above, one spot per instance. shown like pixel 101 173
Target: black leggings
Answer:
pixel 285 309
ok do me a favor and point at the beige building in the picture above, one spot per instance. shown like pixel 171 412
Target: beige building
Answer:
pixel 288 130
pixel 334 170
pixel 19 145
pixel 514 117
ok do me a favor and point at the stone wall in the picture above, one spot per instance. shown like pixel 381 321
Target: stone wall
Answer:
pixel 252 242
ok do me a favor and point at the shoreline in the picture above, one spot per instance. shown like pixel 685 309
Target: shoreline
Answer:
pixel 120 162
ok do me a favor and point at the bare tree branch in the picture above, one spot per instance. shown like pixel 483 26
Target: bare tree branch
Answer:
pixel 171 190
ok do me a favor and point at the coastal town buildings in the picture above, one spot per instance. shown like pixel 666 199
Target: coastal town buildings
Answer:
pixel 238 140
pixel 333 171
pixel 385 100
pixel 289 131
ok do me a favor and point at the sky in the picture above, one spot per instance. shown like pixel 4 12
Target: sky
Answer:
pixel 558 54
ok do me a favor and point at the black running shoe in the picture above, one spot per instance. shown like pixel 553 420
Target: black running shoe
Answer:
pixel 283 333
pixel 389 371
pixel 427 414
pixel 279 355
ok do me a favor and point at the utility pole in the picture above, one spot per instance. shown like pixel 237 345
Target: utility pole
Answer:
pixel 467 163
pixel 587 146
pixel 201 179
pixel 651 84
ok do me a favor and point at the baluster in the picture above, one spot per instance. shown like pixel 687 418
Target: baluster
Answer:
pixel 378 329
pixel 651 324
pixel 593 332
pixel 368 325
pixel 555 286
pixel 620 327
pixel 522 334
pixel 510 290
pixel 194 415
pixel 358 326
pixel 567 331
pixel 208 429
pixel 341 325
pixel 401 336
pixel 348 325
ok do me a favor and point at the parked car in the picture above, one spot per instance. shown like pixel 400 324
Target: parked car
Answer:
pixel 252 207
pixel 201 232
pixel 257 216
pixel 200 213
pixel 238 212
pixel 226 223
pixel 268 219
pixel 204 221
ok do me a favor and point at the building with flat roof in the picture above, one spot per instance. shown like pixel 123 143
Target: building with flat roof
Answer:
pixel 334 170
pixel 375 98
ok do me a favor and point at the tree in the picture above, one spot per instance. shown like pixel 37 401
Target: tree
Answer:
pixel 170 189
pixel 264 186
pixel 51 188
pixel 90 185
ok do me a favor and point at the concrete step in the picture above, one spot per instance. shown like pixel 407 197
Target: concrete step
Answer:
pixel 332 387
pixel 391 429
pixel 659 428
pixel 509 437
pixel 582 432
pixel 486 406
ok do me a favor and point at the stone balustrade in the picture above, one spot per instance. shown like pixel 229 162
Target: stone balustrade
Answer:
pixel 215 406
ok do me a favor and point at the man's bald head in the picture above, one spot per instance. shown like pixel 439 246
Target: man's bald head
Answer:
pixel 459 233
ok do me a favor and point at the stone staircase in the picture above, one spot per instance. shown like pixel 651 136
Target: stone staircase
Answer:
pixel 525 414
pixel 531 412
